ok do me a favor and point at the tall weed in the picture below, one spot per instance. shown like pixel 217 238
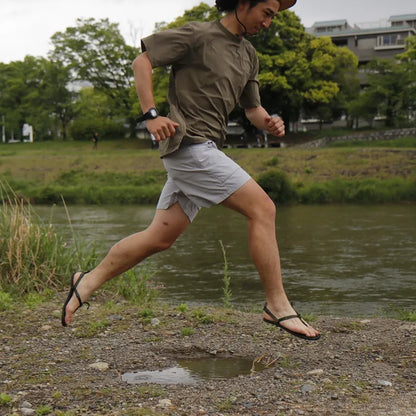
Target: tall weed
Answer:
pixel 227 293
pixel 33 256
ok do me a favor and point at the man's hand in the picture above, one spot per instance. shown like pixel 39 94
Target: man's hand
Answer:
pixel 161 128
pixel 275 126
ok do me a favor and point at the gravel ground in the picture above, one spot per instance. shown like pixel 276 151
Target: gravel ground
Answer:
pixel 359 367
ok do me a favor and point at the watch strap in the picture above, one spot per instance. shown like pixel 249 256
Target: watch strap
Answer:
pixel 151 114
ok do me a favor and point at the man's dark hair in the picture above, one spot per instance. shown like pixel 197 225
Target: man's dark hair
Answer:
pixel 230 5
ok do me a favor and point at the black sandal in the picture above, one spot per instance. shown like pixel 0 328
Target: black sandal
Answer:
pixel 276 322
pixel 72 291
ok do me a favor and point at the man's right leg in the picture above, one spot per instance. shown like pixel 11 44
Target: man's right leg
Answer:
pixel 166 227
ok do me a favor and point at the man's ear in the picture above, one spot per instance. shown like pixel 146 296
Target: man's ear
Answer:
pixel 243 5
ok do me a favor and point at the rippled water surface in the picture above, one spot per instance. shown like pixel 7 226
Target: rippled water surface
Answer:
pixel 340 260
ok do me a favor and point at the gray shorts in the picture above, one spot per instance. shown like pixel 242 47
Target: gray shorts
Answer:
pixel 200 175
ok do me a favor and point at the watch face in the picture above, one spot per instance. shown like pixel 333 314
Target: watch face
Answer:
pixel 153 113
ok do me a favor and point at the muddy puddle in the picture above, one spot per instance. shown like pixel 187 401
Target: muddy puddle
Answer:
pixel 195 370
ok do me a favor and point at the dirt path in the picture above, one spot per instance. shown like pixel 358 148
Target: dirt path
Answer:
pixel 359 367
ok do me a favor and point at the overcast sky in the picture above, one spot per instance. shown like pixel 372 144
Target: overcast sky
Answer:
pixel 26 26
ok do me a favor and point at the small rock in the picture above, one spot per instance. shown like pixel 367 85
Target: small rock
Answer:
pixel 316 372
pixel 307 388
pixel 155 322
pixel 164 403
pixel 385 383
pixel 26 405
pixel 101 366
pixel 408 327
pixel 46 327
pixel 115 318
pixel 27 412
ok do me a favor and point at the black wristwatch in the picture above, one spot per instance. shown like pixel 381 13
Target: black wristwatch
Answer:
pixel 151 114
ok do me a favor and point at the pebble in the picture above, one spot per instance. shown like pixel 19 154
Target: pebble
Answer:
pixel 385 383
pixel 307 388
pixel 164 403
pixel 408 327
pixel 115 318
pixel 101 366
pixel 155 322
pixel 27 412
pixel 46 327
pixel 316 372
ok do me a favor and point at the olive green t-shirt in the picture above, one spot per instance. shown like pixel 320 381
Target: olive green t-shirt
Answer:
pixel 212 70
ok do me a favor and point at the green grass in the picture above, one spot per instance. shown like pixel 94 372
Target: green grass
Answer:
pixel 124 172
pixel 5 400
pixel 403 142
pixel 404 314
pixel 135 285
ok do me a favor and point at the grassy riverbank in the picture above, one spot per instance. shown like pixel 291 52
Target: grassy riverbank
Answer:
pixel 126 172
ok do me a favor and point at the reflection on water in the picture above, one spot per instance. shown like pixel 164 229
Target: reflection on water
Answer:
pixel 174 375
pixel 343 260
pixel 194 370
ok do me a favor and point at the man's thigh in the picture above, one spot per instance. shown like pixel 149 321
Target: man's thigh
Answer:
pixel 249 200
pixel 169 223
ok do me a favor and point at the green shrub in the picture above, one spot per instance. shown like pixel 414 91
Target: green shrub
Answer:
pixel 202 317
pixel 5 301
pixel 135 285
pixel 277 185
pixel 358 191
pixel 187 332
pixel 5 400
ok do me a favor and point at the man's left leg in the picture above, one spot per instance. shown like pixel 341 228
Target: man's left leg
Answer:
pixel 251 201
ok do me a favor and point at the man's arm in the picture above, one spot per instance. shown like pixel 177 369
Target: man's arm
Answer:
pixel 160 127
pixel 262 120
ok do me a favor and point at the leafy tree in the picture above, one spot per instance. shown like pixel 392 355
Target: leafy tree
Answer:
pixel 333 79
pixel 93 115
pixel 54 95
pixel 410 54
pixel 408 60
pixel 35 91
pixel 96 52
pixel 200 13
pixel 388 87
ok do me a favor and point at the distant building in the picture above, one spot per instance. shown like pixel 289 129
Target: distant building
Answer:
pixel 367 43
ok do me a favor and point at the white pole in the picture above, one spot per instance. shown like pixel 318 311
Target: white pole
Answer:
pixel 3 130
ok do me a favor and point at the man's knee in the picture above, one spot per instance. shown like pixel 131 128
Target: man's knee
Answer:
pixel 266 208
pixel 163 244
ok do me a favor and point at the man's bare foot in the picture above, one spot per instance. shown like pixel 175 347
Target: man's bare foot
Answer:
pixel 291 322
pixel 73 301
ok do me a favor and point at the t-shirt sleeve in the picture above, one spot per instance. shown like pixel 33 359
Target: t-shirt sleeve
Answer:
pixel 168 46
pixel 250 97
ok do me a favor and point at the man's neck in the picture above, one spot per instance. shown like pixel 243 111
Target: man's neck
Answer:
pixel 231 24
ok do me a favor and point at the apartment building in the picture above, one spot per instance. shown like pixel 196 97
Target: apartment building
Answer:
pixel 369 41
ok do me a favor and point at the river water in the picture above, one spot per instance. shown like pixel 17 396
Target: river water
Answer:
pixel 336 259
